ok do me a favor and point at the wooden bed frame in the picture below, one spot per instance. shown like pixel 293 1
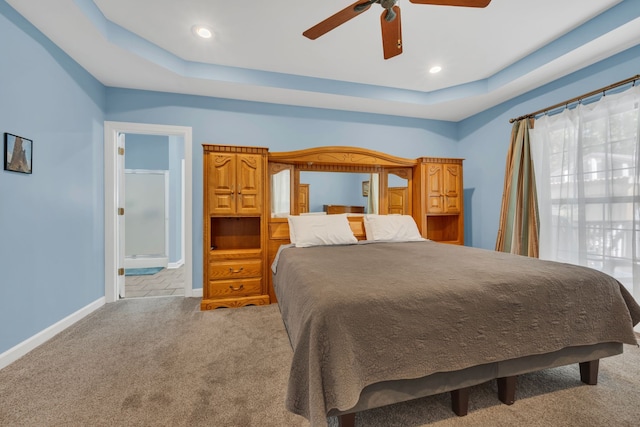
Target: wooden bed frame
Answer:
pixel 457 383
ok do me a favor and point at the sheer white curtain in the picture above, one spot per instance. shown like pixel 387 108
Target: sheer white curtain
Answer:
pixel 587 170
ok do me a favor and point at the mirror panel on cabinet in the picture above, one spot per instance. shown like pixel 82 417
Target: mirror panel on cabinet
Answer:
pixel 281 193
pixel 398 196
pixel 344 189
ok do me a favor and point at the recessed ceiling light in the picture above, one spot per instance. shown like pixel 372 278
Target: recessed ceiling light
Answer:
pixel 436 69
pixel 202 31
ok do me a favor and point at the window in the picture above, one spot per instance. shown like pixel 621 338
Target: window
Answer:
pixel 587 174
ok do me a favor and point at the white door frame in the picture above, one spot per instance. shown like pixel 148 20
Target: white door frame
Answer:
pixel 111 131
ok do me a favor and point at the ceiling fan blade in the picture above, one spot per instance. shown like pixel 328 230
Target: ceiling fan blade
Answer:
pixel 464 3
pixel 337 19
pixel 391 34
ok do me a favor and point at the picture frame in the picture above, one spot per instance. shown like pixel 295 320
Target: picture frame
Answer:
pixel 365 188
pixel 18 154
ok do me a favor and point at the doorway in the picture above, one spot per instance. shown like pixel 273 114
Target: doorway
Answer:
pixel 113 184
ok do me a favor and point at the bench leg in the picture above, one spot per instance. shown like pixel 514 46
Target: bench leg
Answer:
pixel 507 389
pixel 347 420
pixel 460 401
pixel 589 372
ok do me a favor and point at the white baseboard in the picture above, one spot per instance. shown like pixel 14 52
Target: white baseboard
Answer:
pixel 16 352
pixel 195 293
pixel 146 262
pixel 176 264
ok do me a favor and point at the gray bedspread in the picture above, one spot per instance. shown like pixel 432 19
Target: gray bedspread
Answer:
pixel 361 314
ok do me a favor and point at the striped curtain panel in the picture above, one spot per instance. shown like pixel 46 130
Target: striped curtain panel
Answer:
pixel 518 231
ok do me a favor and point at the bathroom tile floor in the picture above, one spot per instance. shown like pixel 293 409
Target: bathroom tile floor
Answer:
pixel 167 282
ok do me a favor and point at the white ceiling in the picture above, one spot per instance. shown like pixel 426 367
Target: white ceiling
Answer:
pixel 488 55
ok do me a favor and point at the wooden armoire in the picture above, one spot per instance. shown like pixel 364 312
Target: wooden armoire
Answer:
pixel 235 221
pixel 438 207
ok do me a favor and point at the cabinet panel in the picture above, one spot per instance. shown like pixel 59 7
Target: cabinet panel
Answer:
pixel 398 201
pixel 303 198
pixel 249 183
pixel 452 188
pixel 234 288
pixel 443 188
pixel 221 183
pixel 235 184
pixel 235 269
pixel 435 198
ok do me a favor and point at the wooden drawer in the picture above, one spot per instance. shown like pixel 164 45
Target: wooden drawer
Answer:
pixel 234 288
pixel 235 269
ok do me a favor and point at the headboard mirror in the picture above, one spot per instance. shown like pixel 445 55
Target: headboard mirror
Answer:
pixel 349 178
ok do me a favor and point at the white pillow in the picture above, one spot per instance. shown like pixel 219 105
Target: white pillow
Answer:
pixel 391 228
pixel 319 230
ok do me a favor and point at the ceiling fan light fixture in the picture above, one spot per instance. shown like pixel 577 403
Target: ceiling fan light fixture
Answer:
pixel 391 27
pixel 435 69
pixel 202 31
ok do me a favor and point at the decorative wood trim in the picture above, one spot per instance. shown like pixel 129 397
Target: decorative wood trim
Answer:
pixel 439 160
pixel 234 302
pixel 215 148
pixel 337 156
pixel 274 168
pixel 404 173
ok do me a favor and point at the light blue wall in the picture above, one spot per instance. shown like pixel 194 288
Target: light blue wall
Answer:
pixel 484 140
pixel 339 188
pixel 280 128
pixel 51 222
pixel 146 152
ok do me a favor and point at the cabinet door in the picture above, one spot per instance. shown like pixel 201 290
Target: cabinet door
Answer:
pixel 398 201
pixel 303 198
pixel 249 183
pixel 452 183
pixel 221 183
pixel 435 198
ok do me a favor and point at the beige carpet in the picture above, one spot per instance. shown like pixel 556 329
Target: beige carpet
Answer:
pixel 162 362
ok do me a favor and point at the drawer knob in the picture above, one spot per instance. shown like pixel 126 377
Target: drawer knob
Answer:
pixel 239 288
pixel 231 270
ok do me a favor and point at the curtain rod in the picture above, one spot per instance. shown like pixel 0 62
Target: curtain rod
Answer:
pixel 578 98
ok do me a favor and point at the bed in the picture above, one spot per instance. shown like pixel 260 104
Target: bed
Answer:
pixel 375 323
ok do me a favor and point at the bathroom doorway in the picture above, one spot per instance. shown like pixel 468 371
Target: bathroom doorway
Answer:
pixel 115 198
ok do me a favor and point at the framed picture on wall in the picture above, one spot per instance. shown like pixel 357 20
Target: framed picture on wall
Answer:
pixel 18 153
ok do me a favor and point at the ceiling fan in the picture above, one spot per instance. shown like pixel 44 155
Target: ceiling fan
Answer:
pixel 389 20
